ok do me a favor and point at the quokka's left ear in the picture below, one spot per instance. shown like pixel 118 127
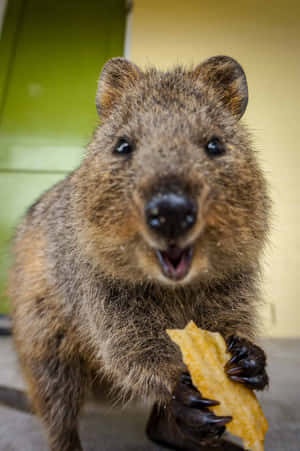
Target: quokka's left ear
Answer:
pixel 225 76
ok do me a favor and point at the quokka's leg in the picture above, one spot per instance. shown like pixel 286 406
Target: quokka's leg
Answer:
pixel 56 384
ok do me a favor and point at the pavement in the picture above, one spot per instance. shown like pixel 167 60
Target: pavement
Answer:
pixel 103 428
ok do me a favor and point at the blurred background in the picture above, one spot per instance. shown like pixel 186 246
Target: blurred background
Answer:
pixel 51 54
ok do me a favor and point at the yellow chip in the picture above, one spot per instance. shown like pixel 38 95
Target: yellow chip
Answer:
pixel 204 353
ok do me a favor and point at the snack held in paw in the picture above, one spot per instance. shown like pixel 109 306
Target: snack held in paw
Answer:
pixel 204 353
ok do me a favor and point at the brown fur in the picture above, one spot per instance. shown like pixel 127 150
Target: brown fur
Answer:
pixel 88 294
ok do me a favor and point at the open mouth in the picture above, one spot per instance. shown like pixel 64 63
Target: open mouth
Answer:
pixel 175 262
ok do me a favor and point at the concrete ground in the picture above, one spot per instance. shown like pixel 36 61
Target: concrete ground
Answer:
pixel 105 429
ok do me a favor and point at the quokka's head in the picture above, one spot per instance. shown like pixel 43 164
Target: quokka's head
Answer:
pixel 170 191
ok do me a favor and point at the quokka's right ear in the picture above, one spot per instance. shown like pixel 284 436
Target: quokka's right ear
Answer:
pixel 226 78
pixel 117 75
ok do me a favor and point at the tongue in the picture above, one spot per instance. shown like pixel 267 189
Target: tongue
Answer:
pixel 175 262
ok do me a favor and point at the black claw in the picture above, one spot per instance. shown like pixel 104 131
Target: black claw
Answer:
pixel 203 402
pixel 234 371
pixel 239 355
pixel 253 382
pixel 227 365
pixel 232 360
pixel 230 342
pixel 220 421
pixel 238 379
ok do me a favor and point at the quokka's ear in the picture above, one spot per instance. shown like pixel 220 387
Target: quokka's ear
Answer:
pixel 228 81
pixel 117 75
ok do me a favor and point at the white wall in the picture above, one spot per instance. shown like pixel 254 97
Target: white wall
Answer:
pixel 264 37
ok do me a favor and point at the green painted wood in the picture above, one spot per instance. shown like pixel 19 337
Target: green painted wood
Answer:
pixel 51 54
pixel 17 193
pixel 48 114
pixel 9 34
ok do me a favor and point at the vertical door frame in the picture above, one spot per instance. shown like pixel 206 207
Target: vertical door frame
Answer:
pixel 3 4
pixel 128 28
pixel 10 20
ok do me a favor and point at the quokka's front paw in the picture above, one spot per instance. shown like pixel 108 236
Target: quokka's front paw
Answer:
pixel 192 414
pixel 248 363
pixel 186 422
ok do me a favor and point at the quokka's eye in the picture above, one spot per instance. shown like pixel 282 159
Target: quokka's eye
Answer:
pixel 215 147
pixel 123 147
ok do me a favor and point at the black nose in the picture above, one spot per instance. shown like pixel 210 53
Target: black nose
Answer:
pixel 171 215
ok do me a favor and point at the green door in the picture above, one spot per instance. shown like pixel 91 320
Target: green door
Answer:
pixel 51 53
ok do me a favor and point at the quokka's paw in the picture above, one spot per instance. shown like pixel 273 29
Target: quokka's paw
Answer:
pixel 248 363
pixel 186 423
pixel 192 414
